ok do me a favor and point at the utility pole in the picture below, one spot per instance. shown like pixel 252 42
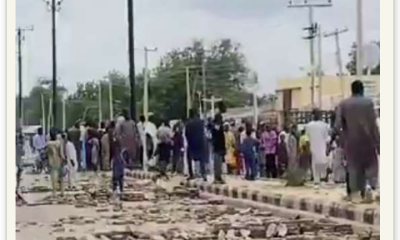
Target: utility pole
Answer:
pixel 54 5
pixel 336 34
pixel 100 105
pixel 131 44
pixel 359 58
pixel 64 115
pixel 110 96
pixel 312 34
pixel 319 67
pixel 20 39
pixel 188 100
pixel 203 75
pixel 43 113
pixel 146 82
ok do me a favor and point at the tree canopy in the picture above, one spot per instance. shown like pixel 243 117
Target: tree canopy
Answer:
pixel 226 74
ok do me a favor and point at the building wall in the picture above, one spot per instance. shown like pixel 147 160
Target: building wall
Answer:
pixel 330 95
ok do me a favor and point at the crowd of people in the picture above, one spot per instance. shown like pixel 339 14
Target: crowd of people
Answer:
pixel 343 152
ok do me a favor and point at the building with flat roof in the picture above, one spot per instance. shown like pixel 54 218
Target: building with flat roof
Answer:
pixel 295 93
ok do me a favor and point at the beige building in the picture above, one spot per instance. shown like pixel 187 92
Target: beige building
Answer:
pixel 295 94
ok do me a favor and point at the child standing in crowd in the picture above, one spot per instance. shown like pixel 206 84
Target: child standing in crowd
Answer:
pixel 249 151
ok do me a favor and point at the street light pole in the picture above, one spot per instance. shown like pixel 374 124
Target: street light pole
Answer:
pixel 359 59
pixel 188 100
pixel 146 82
pixel 131 60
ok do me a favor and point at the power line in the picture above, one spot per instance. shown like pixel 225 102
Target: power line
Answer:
pixel 312 29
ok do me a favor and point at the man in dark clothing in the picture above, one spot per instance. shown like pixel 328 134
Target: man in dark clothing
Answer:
pixel 195 135
pixel 249 149
pixel 178 145
pixel 218 142
pixel 74 134
pixel 356 120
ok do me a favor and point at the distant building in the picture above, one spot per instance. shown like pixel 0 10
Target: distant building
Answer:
pixel 295 94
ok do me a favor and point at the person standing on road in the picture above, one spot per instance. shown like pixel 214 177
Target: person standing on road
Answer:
pixel 195 135
pixel 356 119
pixel 128 136
pixel 142 133
pixel 72 161
pixel 74 134
pixel 249 151
pixel 282 156
pixel 219 147
pixel 39 141
pixel 269 140
pixel 54 150
pixel 318 134
pixel 164 135
pixel 304 155
pixel 230 150
pixel 19 153
pixel 178 149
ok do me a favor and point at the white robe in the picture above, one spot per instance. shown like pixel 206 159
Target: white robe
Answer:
pixel 318 134
pixel 70 153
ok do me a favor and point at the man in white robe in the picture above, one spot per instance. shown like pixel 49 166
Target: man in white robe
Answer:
pixel 318 134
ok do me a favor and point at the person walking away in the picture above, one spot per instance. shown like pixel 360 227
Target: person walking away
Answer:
pixel 282 156
pixel 338 168
pixel 249 150
pixel 128 137
pixel 118 161
pixel 356 119
pixel 293 176
pixel 83 139
pixel 164 148
pixel 237 154
pixel 18 154
pixel 269 141
pixel 72 162
pixel 305 155
pixel 106 149
pixel 39 146
pixel 195 135
pixel 219 147
pixel 74 134
pixel 95 153
pixel 318 134
pixel 230 150
pixel 178 149
pixel 54 151
pixel 142 133
pixel 261 152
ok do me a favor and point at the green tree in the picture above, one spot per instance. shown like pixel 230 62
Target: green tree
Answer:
pixel 225 67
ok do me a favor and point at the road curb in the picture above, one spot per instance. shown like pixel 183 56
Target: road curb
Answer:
pixel 369 216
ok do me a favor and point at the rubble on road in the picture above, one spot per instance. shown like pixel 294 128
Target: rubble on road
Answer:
pixel 143 204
